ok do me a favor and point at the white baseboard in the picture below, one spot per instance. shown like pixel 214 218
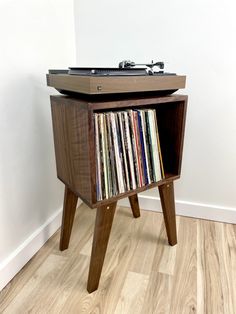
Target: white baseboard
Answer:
pixel 189 209
pixel 19 257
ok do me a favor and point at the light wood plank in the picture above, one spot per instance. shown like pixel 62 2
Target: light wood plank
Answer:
pixel 216 291
pixel 212 294
pixel 158 294
pixel 19 281
pixel 165 256
pixel 147 243
pixel 87 248
pixel 132 294
pixel 230 247
pixel 72 278
pixel 198 275
pixel 200 271
pixel 184 289
pixel 224 260
pixel 168 258
pixel 30 298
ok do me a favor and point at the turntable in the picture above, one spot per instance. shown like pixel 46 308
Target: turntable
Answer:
pixel 129 77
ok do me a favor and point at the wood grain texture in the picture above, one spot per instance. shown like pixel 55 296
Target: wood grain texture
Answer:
pixel 73 128
pixel 149 232
pixel 202 281
pixel 184 288
pixel 171 119
pixel 134 204
pixel 168 178
pixel 164 261
pixel 132 294
pixel 168 256
pixel 216 267
pixel 69 207
pixel 118 258
pixel 72 147
pixel 134 101
pixel 101 235
pixel 118 84
pixel 40 284
pixel 158 294
pixel 168 207
pixel 74 140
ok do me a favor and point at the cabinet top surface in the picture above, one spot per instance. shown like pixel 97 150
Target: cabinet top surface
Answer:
pixel 118 102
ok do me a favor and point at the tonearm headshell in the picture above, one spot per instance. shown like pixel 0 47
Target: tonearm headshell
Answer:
pixel 126 64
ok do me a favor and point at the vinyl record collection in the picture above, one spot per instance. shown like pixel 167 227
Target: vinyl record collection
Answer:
pixel 128 152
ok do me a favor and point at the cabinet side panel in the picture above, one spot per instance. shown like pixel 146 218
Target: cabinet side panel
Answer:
pixel 171 123
pixel 71 134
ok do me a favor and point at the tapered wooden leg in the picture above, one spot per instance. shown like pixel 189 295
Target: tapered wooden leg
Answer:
pixel 70 202
pixel 101 235
pixel 168 206
pixel 133 200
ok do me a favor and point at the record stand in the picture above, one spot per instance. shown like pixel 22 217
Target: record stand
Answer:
pixel 74 140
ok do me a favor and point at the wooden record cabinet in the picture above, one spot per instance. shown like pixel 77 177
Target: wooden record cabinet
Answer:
pixel 74 139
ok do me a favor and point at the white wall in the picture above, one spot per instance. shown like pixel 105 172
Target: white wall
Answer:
pixel 34 36
pixel 196 38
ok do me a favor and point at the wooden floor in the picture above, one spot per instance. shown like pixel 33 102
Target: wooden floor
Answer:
pixel 141 273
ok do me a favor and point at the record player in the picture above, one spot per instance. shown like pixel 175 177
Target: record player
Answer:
pixel 129 77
